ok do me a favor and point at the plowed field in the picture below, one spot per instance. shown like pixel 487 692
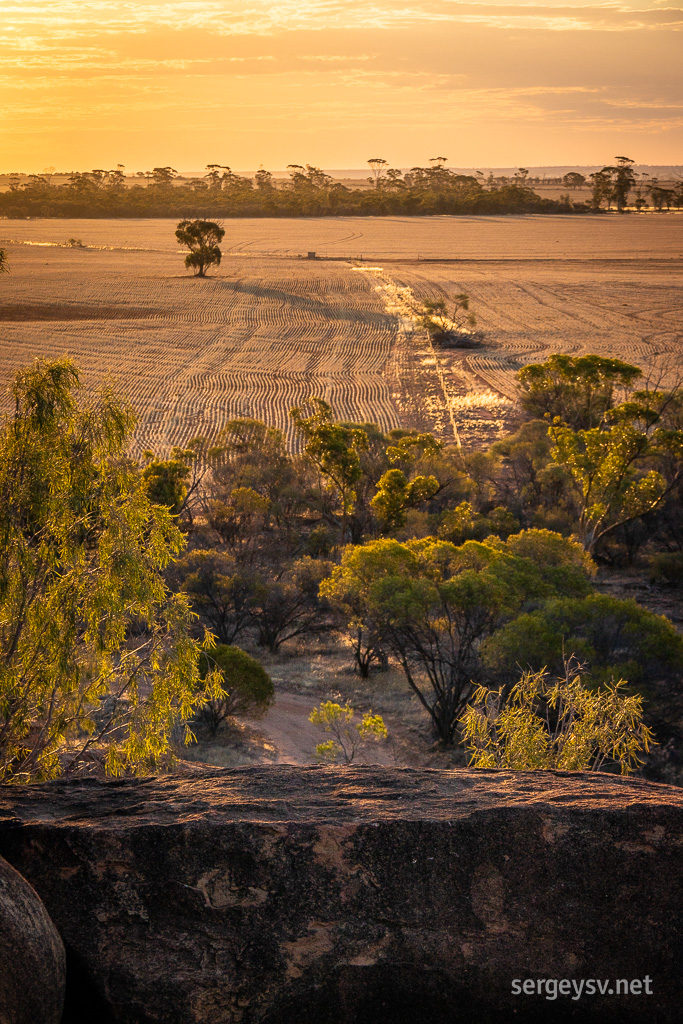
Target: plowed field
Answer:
pixel 269 328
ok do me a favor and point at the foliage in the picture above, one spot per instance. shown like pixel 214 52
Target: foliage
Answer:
pixel 256 492
pixel 96 653
pixel 334 449
pixel 347 736
pixel 546 725
pixel 202 238
pixel 666 567
pixel 219 588
pixel 578 389
pixel 609 475
pixel 248 688
pixel 448 324
pixel 463 523
pixel 615 463
pixel 240 518
pixel 161 192
pixel 432 604
pixel 562 563
pixel 286 604
pixel 612 637
pixel 410 448
pixel 613 184
pixel 395 495
pixel 573 180
pixel 4 262
pixel 167 479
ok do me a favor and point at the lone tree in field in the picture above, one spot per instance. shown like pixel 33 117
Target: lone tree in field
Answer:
pixel 202 238
pixel 448 325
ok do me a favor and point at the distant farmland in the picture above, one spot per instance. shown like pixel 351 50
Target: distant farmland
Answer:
pixel 269 329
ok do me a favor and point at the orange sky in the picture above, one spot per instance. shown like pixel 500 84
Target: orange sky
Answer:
pixel 94 83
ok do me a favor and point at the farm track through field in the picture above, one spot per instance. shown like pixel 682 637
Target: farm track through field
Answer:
pixel 266 332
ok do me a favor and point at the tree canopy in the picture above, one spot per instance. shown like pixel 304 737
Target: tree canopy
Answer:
pixel 202 238
pixel 95 653
pixel 432 604
pixel 248 687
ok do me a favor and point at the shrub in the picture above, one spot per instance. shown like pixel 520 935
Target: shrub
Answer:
pixel 347 736
pixel 551 725
pixel 614 637
pixel 667 567
pixel 249 688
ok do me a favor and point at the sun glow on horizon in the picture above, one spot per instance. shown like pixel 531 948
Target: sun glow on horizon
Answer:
pixel 190 82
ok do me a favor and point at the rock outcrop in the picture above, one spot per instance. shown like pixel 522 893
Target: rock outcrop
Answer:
pixel 32 963
pixel 299 895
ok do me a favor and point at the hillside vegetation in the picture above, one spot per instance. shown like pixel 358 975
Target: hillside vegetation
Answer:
pixel 456 569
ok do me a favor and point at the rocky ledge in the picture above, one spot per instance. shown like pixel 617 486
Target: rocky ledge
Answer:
pixel 321 896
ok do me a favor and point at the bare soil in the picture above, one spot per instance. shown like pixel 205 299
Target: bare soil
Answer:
pixel 303 678
pixel 269 328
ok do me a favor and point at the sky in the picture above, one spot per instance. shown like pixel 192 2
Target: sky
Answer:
pixel 95 83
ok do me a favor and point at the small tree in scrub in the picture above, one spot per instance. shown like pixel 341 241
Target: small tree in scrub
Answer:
pixel 558 724
pixel 346 736
pixel 167 479
pixel 449 322
pixel 202 238
pixel 248 689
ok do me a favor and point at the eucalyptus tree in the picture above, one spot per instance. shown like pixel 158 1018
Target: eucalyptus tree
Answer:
pixel 202 238
pixel 96 658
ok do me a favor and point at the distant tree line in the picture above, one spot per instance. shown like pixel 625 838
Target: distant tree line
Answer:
pixel 309 192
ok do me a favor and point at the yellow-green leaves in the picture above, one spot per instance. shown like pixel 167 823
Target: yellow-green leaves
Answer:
pixel 431 605
pixel 346 736
pixel 334 449
pixel 96 662
pixel 608 470
pixel 395 495
pixel 557 724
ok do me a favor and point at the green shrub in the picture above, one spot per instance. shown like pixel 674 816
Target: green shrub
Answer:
pixel 612 636
pixel 666 567
pixel 249 688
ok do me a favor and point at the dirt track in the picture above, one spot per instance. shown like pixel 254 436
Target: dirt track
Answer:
pixel 287 728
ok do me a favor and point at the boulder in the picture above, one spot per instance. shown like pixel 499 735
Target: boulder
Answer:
pixel 296 895
pixel 32 961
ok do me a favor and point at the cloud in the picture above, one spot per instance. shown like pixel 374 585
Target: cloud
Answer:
pixel 274 80
pixel 37 21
